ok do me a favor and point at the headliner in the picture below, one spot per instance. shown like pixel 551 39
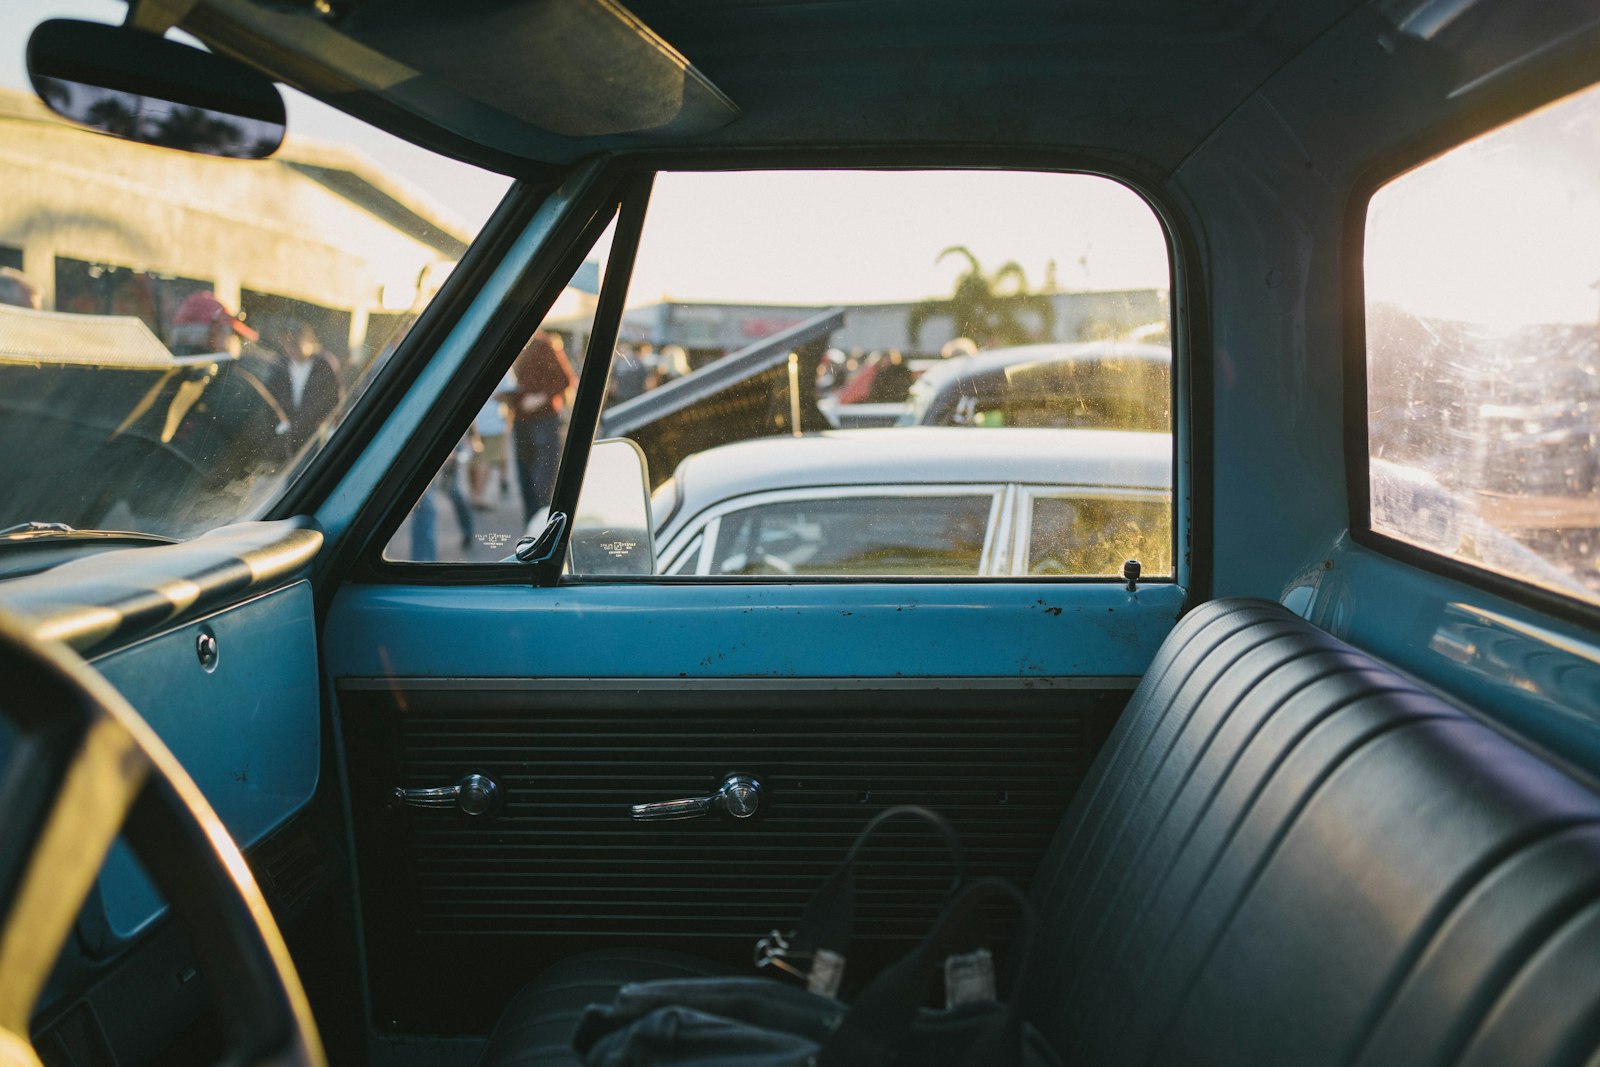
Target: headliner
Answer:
pixel 1141 84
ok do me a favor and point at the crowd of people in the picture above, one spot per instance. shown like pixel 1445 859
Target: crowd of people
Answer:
pixel 283 362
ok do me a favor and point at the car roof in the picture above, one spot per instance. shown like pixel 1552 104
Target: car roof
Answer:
pixel 1136 84
pixel 924 455
pixel 965 368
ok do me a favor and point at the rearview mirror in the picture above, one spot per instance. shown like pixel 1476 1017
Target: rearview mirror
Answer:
pixel 145 88
pixel 612 531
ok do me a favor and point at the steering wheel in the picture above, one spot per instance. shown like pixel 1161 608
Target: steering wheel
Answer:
pixel 77 767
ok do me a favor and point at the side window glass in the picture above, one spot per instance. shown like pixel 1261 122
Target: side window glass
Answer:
pixel 1483 353
pixel 496 484
pixel 878 342
pixel 1090 535
pixel 857 535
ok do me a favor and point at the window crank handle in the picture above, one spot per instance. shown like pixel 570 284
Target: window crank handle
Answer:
pixel 739 797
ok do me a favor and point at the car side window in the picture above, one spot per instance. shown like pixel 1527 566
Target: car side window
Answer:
pixel 1483 355
pixel 868 534
pixel 1093 535
pixel 881 340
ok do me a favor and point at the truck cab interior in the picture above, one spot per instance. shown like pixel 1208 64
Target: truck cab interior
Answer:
pixel 358 357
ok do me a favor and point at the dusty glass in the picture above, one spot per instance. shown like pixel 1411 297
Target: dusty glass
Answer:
pixel 179 333
pixel 1483 350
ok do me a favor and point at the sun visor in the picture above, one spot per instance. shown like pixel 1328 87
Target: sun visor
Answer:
pixel 547 80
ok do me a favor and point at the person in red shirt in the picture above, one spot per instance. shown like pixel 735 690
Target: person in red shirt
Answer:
pixel 543 380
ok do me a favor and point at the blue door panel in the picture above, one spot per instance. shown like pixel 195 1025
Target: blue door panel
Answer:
pixel 757 630
pixel 247 731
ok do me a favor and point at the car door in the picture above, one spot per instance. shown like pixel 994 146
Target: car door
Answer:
pixel 502 723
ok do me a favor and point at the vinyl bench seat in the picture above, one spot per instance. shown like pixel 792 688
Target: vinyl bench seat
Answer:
pixel 1286 853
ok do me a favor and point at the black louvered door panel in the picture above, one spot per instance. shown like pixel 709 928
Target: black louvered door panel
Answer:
pixel 460 911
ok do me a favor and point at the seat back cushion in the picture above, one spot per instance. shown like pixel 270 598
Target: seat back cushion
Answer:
pixel 1287 853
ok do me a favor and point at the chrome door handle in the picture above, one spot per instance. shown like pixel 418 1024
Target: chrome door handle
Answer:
pixel 739 796
pixel 475 794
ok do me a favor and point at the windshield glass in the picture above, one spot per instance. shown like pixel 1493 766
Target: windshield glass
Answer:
pixel 180 333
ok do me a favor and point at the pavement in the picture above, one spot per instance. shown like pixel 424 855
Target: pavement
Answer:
pixel 496 525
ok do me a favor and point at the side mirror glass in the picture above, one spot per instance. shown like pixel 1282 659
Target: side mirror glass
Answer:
pixel 145 88
pixel 612 533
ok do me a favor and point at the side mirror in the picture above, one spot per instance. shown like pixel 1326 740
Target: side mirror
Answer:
pixel 613 532
pixel 144 88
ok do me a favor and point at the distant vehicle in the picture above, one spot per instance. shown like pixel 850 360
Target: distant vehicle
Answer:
pixel 932 500
pixel 1410 503
pixel 1098 385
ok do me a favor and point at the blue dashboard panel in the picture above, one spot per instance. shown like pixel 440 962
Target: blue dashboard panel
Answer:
pixel 867 630
pixel 247 731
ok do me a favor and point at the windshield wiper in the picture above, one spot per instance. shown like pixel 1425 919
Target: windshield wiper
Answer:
pixel 28 531
pixel 38 527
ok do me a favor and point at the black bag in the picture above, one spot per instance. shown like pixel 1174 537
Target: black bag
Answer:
pixel 822 938
pixel 760 1022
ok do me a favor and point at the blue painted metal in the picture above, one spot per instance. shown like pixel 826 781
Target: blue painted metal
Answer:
pixel 1044 630
pixel 1275 186
pixel 1537 677
pixel 248 732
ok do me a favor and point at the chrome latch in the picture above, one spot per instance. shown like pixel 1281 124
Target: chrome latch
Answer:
pixel 775 950
pixel 738 797
pixel 475 794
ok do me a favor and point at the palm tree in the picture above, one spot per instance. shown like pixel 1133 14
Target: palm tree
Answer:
pixel 981 311
pixel 198 130
pixel 114 114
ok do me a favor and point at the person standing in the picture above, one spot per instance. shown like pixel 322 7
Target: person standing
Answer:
pixel 490 457
pixel 543 378
pixel 308 390
pixel 233 425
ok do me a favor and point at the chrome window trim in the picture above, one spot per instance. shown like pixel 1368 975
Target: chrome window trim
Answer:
pixel 820 683
pixel 711 531
pixel 682 563
pixel 997 543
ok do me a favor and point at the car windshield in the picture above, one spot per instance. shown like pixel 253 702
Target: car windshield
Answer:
pixel 180 334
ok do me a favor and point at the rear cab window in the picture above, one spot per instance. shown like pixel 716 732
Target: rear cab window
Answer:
pixel 867 374
pixel 1482 294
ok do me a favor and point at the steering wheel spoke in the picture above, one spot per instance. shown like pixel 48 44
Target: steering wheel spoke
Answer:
pixel 102 776
pixel 78 767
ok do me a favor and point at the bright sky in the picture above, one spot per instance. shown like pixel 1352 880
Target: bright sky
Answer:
pixel 1503 231
pixel 799 237
pixel 820 237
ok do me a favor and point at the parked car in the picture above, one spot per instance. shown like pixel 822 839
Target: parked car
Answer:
pixel 1095 385
pixel 922 501
pixel 1322 787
